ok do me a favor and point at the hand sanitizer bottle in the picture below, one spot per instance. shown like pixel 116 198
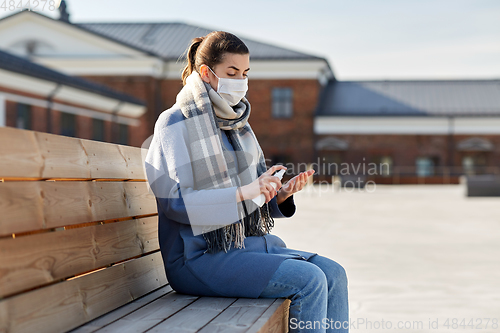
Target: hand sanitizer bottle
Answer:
pixel 261 199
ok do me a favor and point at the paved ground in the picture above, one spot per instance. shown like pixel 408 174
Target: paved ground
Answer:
pixel 413 254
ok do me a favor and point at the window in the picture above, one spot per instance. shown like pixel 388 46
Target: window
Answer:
pixel 98 129
pixel 425 166
pixel 122 134
pixel 282 102
pixel 23 119
pixel 468 165
pixel 331 162
pixel 385 165
pixel 68 124
pixel 474 163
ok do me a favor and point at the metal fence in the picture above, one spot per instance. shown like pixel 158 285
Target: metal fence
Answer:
pixel 410 175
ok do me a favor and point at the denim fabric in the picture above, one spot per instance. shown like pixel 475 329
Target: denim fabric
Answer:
pixel 317 289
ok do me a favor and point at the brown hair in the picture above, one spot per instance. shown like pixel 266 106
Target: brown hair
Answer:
pixel 210 50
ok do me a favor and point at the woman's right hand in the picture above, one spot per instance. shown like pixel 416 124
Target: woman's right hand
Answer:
pixel 262 185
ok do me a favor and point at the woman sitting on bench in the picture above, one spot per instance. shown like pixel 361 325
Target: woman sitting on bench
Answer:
pixel 205 167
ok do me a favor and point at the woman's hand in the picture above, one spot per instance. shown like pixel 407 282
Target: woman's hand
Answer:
pixel 262 185
pixel 294 185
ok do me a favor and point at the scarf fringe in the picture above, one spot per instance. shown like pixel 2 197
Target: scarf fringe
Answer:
pixel 258 223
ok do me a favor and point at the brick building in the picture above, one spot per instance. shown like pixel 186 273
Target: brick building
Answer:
pixel 414 131
pixel 428 131
pixel 142 60
pixel 38 98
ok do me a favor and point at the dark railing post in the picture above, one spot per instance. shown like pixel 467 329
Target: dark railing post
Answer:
pixel 114 123
pixel 50 102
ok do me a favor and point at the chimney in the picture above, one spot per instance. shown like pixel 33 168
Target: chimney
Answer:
pixel 63 13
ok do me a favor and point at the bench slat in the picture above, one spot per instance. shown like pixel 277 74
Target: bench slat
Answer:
pixel 32 154
pixel 34 260
pixel 20 153
pixel 36 205
pixel 66 305
pixel 195 316
pixel 122 311
pixel 239 316
pixel 153 313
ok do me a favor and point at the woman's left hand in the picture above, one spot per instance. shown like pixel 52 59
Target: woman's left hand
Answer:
pixel 293 185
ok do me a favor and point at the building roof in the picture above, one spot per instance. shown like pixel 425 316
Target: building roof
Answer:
pixel 410 97
pixel 124 43
pixel 170 40
pixel 13 63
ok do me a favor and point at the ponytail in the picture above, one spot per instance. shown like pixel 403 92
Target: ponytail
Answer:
pixel 210 50
pixel 191 58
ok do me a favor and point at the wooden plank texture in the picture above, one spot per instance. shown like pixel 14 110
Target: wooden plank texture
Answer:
pixel 274 320
pixel 195 316
pixel 66 305
pixel 122 311
pixel 63 157
pixel 239 316
pixel 153 313
pixel 135 159
pixel 105 160
pixel 34 205
pixel 32 154
pixel 19 152
pixel 34 260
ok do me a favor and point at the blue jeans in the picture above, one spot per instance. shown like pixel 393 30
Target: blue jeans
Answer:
pixel 317 289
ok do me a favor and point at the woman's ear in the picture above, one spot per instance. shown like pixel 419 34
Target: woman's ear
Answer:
pixel 204 73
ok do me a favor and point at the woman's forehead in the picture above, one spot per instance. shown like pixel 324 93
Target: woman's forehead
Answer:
pixel 236 61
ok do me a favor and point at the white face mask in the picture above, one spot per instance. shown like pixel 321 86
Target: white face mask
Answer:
pixel 232 90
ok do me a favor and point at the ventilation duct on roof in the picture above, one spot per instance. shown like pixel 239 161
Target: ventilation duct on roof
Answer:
pixel 30 47
pixel 475 144
pixel 331 143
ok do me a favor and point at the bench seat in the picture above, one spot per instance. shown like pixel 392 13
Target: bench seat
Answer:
pixel 79 247
pixel 165 310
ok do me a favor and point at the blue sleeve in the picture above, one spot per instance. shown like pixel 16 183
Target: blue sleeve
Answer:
pixel 285 209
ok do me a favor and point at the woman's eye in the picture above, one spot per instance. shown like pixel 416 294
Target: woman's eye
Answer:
pixel 245 75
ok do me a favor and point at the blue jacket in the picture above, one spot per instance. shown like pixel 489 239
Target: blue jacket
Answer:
pixel 237 273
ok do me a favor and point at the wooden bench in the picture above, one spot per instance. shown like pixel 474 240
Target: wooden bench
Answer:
pixel 79 247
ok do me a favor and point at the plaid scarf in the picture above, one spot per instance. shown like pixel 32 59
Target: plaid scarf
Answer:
pixel 213 166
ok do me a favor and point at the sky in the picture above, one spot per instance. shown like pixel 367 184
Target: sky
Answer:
pixel 361 39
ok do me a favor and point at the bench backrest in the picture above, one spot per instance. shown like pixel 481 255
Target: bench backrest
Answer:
pixel 78 230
